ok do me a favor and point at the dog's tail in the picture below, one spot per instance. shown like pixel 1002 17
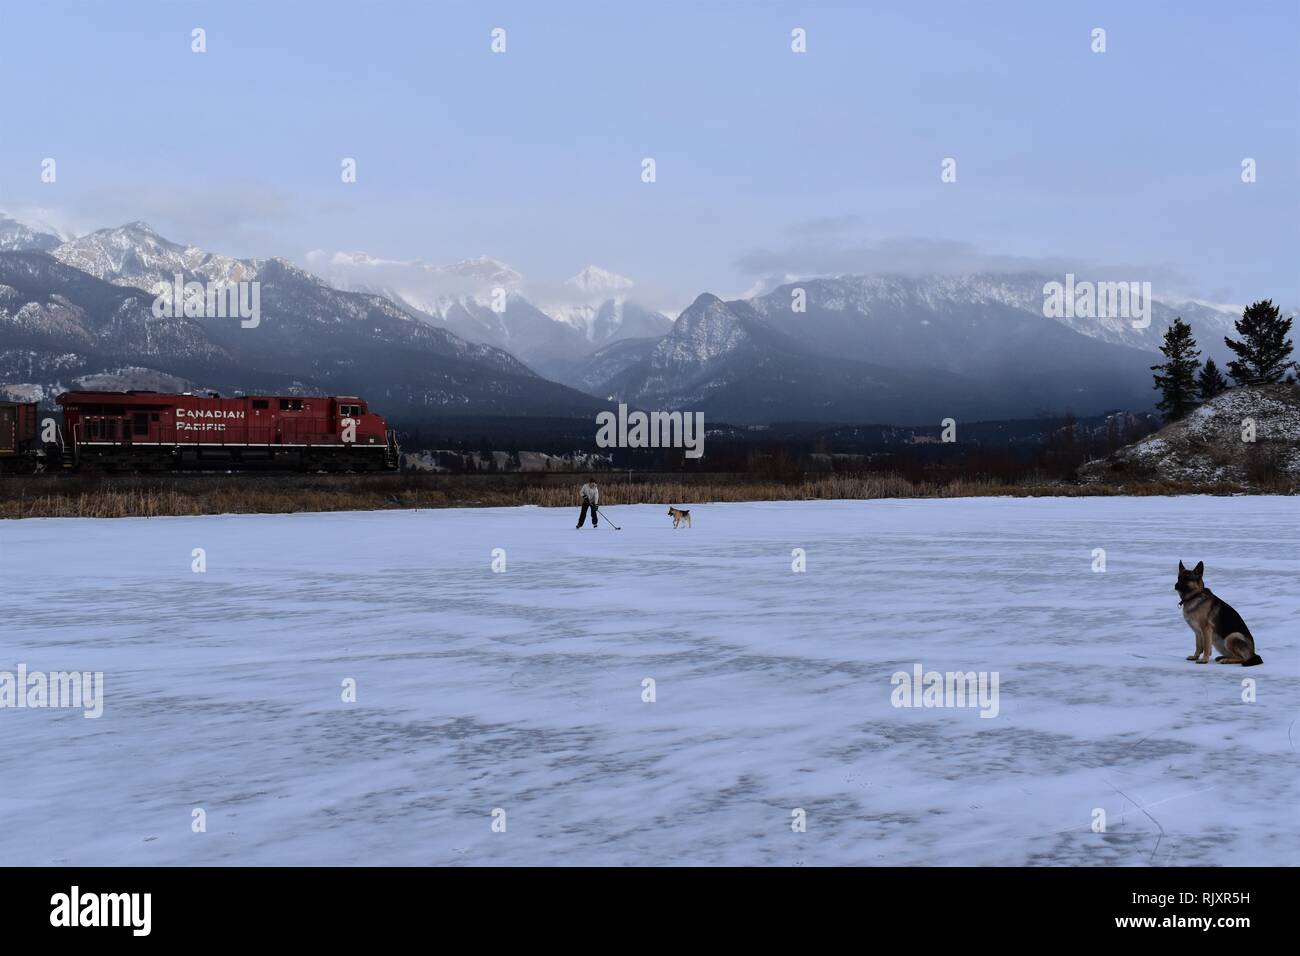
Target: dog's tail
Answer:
pixel 1253 661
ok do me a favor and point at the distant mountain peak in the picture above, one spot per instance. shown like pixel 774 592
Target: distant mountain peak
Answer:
pixel 704 303
pixel 484 268
pixel 138 225
pixel 17 235
pixel 353 258
pixel 135 255
pixel 594 279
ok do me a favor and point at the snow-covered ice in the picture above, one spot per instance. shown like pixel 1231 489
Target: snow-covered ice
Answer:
pixel 522 690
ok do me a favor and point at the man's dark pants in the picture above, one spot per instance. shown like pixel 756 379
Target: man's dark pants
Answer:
pixel 582 518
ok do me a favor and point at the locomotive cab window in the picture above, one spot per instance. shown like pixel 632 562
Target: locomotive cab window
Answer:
pixel 350 411
pixel 261 403
pixel 291 404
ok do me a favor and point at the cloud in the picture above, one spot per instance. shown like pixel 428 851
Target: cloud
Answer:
pixel 832 252
pixel 233 217
pixel 420 283
pixel 834 246
pixel 428 286
pixel 46 219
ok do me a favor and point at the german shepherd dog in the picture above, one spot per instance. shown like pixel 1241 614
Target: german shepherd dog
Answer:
pixel 1213 621
pixel 679 516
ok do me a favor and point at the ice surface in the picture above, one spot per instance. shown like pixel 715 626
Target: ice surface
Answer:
pixel 522 690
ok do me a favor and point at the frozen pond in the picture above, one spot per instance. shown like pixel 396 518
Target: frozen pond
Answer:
pixel 523 690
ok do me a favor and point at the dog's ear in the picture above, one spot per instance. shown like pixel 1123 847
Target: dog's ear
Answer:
pixel 1199 570
pixel 1181 569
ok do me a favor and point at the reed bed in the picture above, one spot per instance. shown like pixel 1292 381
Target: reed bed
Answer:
pixel 113 497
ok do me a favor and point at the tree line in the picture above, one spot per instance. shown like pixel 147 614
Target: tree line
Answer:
pixel 1263 355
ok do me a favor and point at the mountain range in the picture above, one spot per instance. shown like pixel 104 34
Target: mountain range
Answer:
pixel 894 349
pixel 84 310
pixel 468 338
pixel 484 300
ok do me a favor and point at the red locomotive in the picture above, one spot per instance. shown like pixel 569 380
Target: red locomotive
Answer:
pixel 148 430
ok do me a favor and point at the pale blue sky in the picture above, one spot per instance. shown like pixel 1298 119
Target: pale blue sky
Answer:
pixel 768 161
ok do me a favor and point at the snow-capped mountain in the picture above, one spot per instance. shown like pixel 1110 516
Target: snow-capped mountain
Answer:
pixel 947 320
pixel 595 281
pixel 482 269
pixel 847 358
pixel 486 301
pixel 611 320
pixel 510 322
pixel 135 255
pixel 598 304
pixel 18 236
pixel 480 272
pixel 706 334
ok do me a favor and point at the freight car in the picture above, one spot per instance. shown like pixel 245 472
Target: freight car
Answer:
pixel 144 431
pixel 20 446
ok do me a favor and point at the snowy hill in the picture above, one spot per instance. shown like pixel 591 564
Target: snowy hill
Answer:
pixel 1208 446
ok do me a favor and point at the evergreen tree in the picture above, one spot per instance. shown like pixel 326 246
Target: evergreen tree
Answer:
pixel 1211 381
pixel 1176 377
pixel 1264 350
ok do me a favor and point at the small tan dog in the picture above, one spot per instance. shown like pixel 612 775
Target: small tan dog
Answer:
pixel 680 516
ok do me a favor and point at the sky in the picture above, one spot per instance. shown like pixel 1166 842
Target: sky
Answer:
pixel 769 163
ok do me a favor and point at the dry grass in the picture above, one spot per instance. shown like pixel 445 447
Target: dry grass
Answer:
pixel 108 497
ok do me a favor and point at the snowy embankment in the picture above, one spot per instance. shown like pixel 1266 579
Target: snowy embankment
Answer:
pixel 1239 436
pixel 523 690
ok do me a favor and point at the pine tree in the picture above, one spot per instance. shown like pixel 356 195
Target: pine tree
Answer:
pixel 1176 377
pixel 1211 381
pixel 1264 351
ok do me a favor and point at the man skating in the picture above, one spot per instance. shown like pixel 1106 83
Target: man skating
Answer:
pixel 590 499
